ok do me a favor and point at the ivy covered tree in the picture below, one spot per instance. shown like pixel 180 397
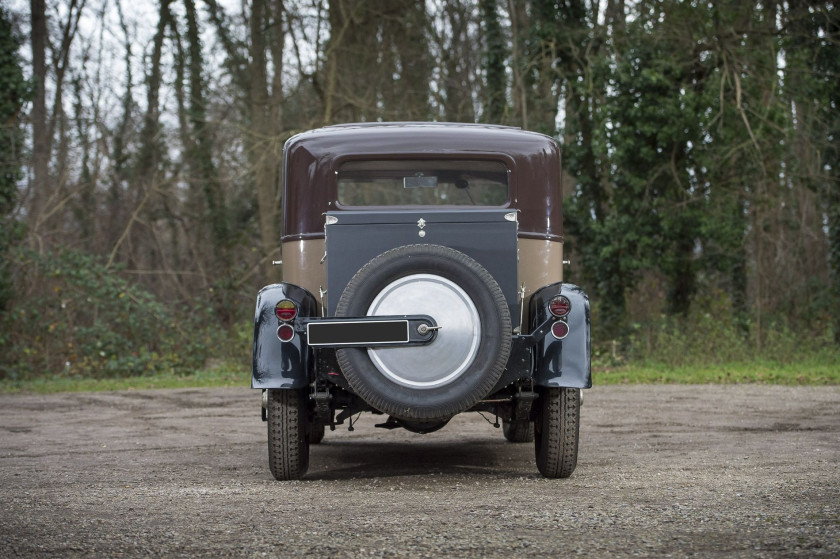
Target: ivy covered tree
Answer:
pixel 494 63
pixel 15 90
pixel 814 44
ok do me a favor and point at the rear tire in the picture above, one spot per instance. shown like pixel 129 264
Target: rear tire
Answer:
pixel 518 431
pixel 316 433
pixel 556 431
pixel 288 440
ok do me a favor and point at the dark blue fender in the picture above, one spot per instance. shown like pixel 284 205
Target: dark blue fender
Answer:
pixel 281 364
pixel 566 362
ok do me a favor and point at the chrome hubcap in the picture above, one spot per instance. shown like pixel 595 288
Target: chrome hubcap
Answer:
pixel 456 345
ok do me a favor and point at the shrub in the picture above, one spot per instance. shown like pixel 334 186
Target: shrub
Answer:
pixel 72 315
pixel 712 333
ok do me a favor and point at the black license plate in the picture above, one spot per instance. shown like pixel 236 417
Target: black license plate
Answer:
pixel 357 333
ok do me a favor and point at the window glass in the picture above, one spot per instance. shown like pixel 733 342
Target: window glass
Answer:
pixel 423 183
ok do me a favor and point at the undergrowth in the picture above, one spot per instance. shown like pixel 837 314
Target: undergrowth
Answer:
pixel 73 316
pixel 713 344
pixel 76 324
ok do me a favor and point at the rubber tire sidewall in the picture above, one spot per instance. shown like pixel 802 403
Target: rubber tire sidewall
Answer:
pixel 494 346
pixel 518 430
pixel 317 429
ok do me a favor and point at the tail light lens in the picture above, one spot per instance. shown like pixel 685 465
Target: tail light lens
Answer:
pixel 560 306
pixel 559 329
pixel 285 332
pixel 285 310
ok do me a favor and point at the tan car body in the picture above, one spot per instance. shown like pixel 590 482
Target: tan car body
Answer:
pixel 540 263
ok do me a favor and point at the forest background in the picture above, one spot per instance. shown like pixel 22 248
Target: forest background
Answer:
pixel 141 145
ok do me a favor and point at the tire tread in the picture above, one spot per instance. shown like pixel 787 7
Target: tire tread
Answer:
pixel 557 431
pixel 288 442
pixel 519 431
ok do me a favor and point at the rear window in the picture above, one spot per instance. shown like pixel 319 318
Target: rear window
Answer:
pixel 423 183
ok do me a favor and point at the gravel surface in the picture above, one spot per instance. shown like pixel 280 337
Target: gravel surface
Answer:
pixel 706 471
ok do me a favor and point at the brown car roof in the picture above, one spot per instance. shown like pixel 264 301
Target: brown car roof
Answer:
pixel 313 158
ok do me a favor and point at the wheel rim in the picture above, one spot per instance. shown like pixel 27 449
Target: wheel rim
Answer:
pixel 456 344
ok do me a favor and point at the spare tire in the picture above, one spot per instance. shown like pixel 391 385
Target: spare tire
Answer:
pixel 468 354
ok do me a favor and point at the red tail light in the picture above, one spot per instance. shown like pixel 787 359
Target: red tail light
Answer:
pixel 285 332
pixel 285 310
pixel 559 329
pixel 560 306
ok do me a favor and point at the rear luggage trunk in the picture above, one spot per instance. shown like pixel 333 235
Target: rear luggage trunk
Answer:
pixel 488 236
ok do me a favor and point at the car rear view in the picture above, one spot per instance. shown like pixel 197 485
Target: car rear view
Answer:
pixel 422 268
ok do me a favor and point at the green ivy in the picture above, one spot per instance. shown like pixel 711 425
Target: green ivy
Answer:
pixel 14 91
pixel 75 316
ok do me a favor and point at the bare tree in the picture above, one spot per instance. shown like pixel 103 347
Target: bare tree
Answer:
pixel 45 197
pixel 257 68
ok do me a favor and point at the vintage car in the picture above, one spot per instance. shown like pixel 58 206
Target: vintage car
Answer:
pixel 422 278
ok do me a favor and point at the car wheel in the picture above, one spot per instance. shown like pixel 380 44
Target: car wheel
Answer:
pixel 556 431
pixel 518 431
pixel 316 432
pixel 469 352
pixel 288 441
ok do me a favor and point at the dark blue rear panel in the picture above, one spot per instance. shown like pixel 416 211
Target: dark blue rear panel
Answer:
pixel 484 235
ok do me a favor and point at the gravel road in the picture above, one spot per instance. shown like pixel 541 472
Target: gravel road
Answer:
pixel 706 471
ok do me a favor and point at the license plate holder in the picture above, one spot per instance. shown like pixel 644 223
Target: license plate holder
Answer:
pixel 357 333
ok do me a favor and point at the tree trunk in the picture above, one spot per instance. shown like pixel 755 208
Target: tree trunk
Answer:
pixel 518 24
pixel 202 167
pixel 265 110
pixel 494 63
pixel 40 138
